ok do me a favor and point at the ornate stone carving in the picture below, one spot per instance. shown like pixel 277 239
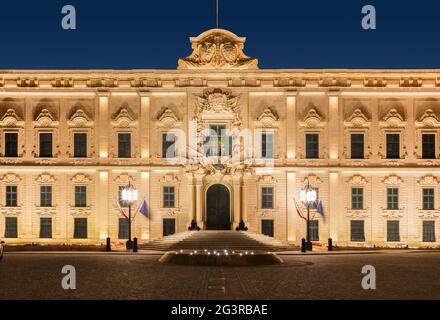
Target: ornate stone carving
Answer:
pixel 218 49
pixel 217 100
pixel 267 179
pixel 429 214
pixel 11 178
pixel 357 119
pixel 357 180
pixel 123 119
pixel 169 178
pixel 428 180
pixel 81 178
pixel 393 118
pixel 79 119
pixel 124 179
pixel 312 118
pixel 392 180
pixel 168 118
pixel 357 213
pixel 313 180
pixel 11 119
pixel 392 214
pixel 429 119
pixel 268 119
pixel 46 178
pixel 45 119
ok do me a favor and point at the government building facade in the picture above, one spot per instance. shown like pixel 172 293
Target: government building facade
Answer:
pixel 218 142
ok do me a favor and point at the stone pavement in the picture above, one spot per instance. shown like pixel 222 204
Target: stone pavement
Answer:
pixel 400 275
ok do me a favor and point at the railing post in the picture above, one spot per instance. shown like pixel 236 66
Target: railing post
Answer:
pixel 330 244
pixel 108 246
pixel 135 245
pixel 303 245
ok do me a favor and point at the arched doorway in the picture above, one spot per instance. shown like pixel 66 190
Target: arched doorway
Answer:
pixel 218 208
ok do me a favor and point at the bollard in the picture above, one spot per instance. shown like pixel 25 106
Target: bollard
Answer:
pixel 330 244
pixel 135 245
pixel 303 245
pixel 108 246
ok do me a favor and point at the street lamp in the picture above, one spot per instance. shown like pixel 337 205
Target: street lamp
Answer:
pixel 308 197
pixel 129 196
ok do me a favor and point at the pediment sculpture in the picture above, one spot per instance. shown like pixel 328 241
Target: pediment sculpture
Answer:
pixel 45 119
pixel 218 49
pixel 11 119
pixel 268 118
pixel 357 119
pixel 79 119
pixel 429 119
pixel 393 118
pixel 123 118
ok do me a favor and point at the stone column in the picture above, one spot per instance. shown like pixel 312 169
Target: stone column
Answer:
pixel 292 216
pixel 144 129
pixel 191 201
pixel 335 196
pixel 102 204
pixel 237 183
pixel 199 201
pixel 291 125
pixel 103 128
pixel 244 201
pixel 334 128
pixel 145 191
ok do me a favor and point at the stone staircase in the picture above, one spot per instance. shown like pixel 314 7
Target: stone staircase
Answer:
pixel 218 240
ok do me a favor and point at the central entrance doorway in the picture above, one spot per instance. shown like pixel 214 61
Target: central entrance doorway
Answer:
pixel 218 208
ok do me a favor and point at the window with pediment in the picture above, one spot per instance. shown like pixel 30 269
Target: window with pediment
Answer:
pixel 80 195
pixel 11 135
pixel 45 194
pixel 427 192
pixel 81 135
pixel 357 136
pixel 427 136
pixel 312 143
pixel 267 136
pixel 393 197
pixel 392 145
pixel 46 129
pixel 168 130
pixel 124 136
pixel 12 190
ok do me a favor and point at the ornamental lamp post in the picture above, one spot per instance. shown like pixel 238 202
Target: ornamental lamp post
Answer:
pixel 129 196
pixel 308 196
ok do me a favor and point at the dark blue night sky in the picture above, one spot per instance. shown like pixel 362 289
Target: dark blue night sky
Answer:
pixel 146 34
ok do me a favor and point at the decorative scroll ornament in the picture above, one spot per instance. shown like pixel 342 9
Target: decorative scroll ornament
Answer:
pixel 429 119
pixel 45 178
pixel 11 178
pixel 357 180
pixel 267 180
pixel 268 119
pixel 393 180
pixel 168 118
pixel 81 178
pixel 428 180
pixel 124 118
pixel 312 118
pixel 45 118
pixel 358 118
pixel 393 118
pixel 79 119
pixel 218 49
pixel 11 119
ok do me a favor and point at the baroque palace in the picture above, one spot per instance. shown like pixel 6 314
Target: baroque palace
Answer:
pixel 217 142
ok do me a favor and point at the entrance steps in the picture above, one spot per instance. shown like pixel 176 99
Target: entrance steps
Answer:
pixel 217 240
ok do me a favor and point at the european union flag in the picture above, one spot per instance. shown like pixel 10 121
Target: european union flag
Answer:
pixel 144 209
pixel 320 208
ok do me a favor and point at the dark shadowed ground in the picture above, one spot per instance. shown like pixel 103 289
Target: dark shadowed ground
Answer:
pixel 99 276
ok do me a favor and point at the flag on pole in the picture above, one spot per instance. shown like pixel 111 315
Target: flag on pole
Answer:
pixel 122 211
pixel 298 210
pixel 320 208
pixel 145 210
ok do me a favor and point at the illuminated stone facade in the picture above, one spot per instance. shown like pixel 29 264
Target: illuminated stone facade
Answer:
pixel 368 140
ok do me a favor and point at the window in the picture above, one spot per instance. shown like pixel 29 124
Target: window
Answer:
pixel 314 230
pixel 393 199
pixel 168 145
pixel 11 145
pixel 428 199
pixel 11 228
pixel 429 231
pixel 393 232
pixel 46 196
pixel 267 228
pixel 80 196
pixel 314 205
pixel 80 231
pixel 124 145
pixel 357 198
pixel 218 144
pixel 267 198
pixel 169 197
pixel 267 145
pixel 46 228
pixel 80 145
pixel 11 196
pixel 123 228
pixel 46 145
pixel 312 146
pixel 428 146
pixel 393 146
pixel 357 146
pixel 169 227
pixel 357 230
